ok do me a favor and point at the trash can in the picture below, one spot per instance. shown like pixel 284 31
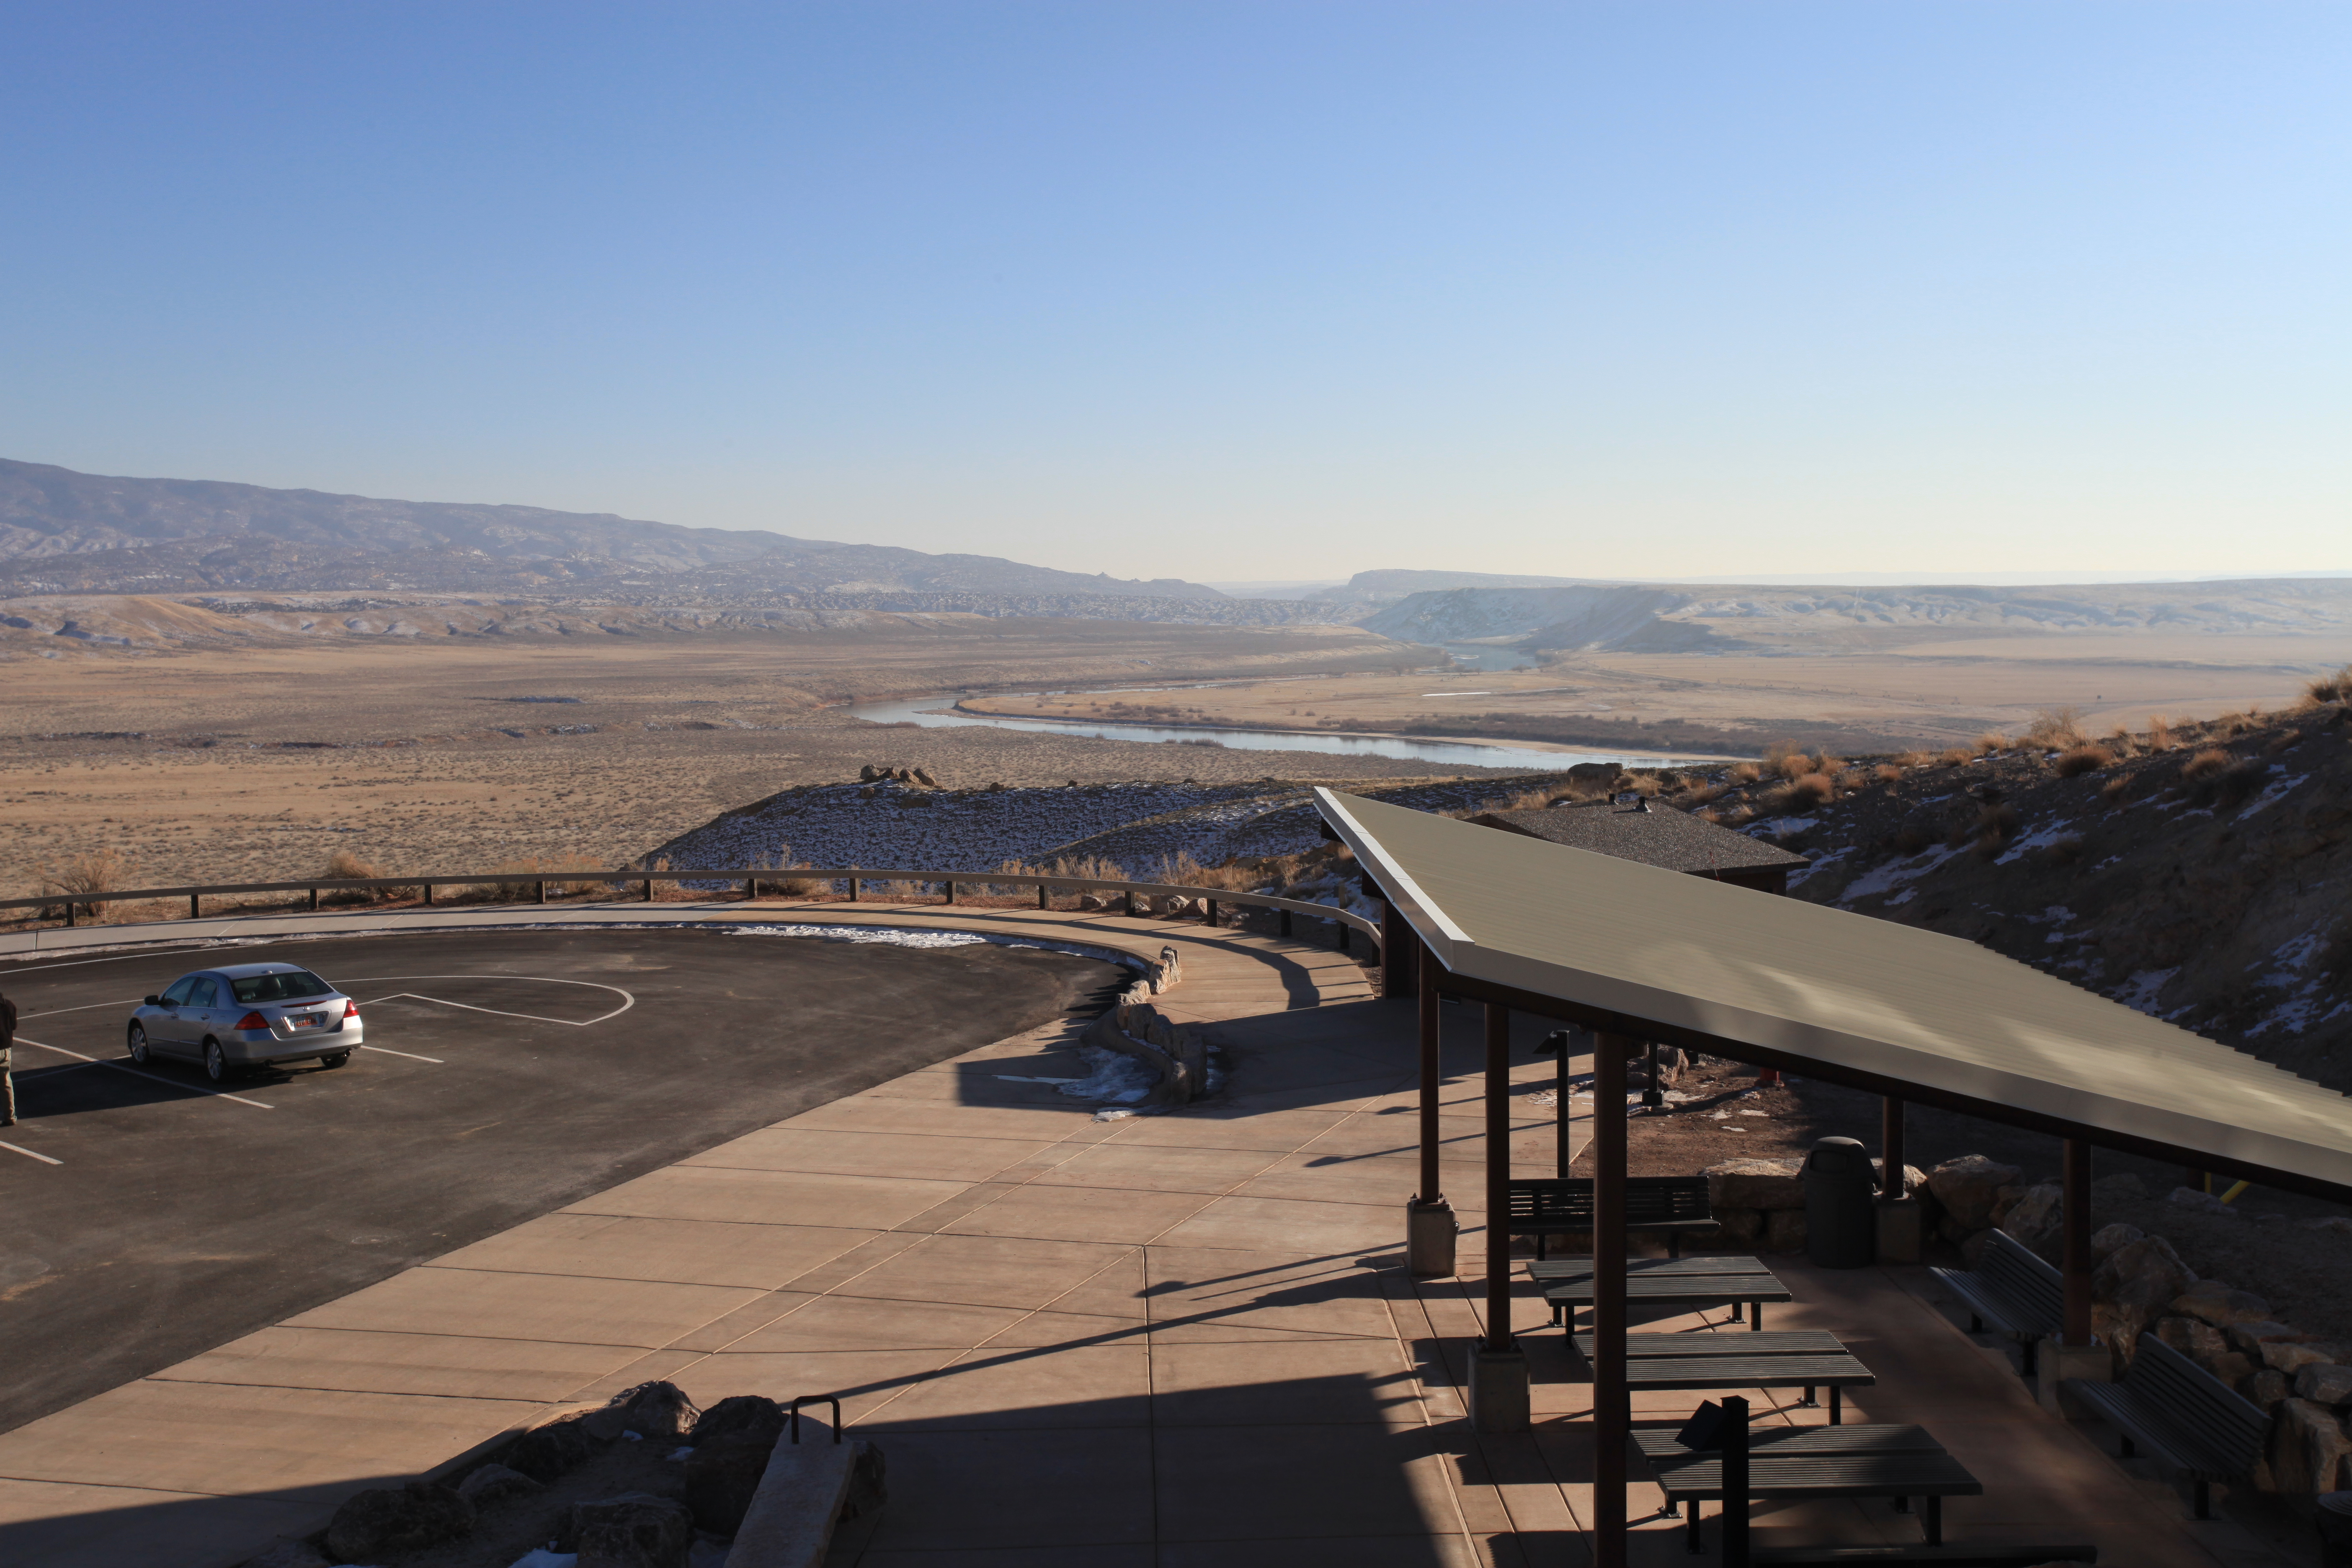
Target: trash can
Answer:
pixel 1840 1205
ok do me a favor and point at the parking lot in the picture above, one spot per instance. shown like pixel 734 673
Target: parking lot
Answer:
pixel 152 1214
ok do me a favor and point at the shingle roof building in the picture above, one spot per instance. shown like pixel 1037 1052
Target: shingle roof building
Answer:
pixel 1669 839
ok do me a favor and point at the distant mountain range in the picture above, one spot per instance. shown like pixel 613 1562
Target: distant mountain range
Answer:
pixel 63 531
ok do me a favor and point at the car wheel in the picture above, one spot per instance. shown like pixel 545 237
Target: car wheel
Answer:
pixel 215 1062
pixel 139 1052
pixel 336 1060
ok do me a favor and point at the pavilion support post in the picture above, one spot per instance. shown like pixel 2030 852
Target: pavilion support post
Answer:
pixel 1429 1224
pixel 1901 1230
pixel 1612 1417
pixel 1399 971
pixel 2075 1354
pixel 1499 1399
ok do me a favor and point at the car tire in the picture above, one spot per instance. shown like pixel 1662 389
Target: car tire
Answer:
pixel 215 1062
pixel 338 1059
pixel 139 1052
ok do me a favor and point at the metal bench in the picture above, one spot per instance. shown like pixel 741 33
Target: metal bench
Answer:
pixel 1672 1205
pixel 1774 1472
pixel 2012 1291
pixel 2182 1414
pixel 1961 1556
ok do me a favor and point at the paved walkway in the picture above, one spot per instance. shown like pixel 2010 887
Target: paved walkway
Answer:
pixel 1158 1341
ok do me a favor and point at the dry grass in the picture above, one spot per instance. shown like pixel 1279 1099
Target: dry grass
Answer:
pixel 98 872
pixel 2281 742
pixel 1746 773
pixel 2335 687
pixel 2116 791
pixel 2056 728
pixel 1996 826
pixel 2205 764
pixel 562 875
pixel 2084 759
pixel 345 866
pixel 1913 759
pixel 2159 733
pixel 2066 851
pixel 1992 741
pixel 1888 773
pixel 1182 870
pixel 1956 757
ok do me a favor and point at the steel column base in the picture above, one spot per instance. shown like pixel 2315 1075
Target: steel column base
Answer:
pixel 2054 1362
pixel 1499 1400
pixel 1429 1234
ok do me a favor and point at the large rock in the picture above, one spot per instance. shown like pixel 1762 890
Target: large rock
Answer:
pixel 722 1475
pixel 2307 1448
pixel 1784 1230
pixel 1756 1185
pixel 545 1453
pixel 1968 1187
pixel 2251 1337
pixel 869 1482
pixel 1914 1178
pixel 487 1484
pixel 656 1410
pixel 2265 1389
pixel 2038 1218
pixel 2143 1274
pixel 2120 1188
pixel 753 1413
pixel 636 1530
pixel 2291 1356
pixel 2211 1301
pixel 383 1521
pixel 1740 1227
pixel 2325 1383
pixel 2107 1239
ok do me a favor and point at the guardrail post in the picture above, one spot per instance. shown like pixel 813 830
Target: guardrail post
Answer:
pixel 853 887
pixel 314 898
pixel 1343 937
pixel 543 892
pixel 649 890
pixel 751 889
pixel 1284 920
pixel 193 913
pixel 1041 897
pixel 1130 903
pixel 69 914
pixel 951 889
pixel 1213 912
pixel 428 892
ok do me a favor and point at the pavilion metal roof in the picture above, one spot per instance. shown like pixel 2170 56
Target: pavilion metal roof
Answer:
pixel 1660 837
pixel 1863 1000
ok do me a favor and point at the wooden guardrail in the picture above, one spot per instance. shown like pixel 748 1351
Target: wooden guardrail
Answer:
pixel 1346 920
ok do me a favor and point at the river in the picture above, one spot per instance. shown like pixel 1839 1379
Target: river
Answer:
pixel 930 713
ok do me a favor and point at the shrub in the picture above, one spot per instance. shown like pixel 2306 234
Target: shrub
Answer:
pixel 1992 741
pixel 2281 742
pixel 2084 759
pixel 2335 687
pixel 2116 791
pixel 1909 839
pixel 1889 773
pixel 345 866
pixel 1996 826
pixel 2159 732
pixel 1747 772
pixel 2065 851
pixel 2205 764
pixel 1812 790
pixel 2056 728
pixel 2242 782
pixel 1913 759
pixel 98 872
pixel 1956 756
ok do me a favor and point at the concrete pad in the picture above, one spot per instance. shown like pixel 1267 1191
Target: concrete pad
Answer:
pixel 1259 1383
pixel 847 1322
pixel 770 1197
pixel 550 1307
pixel 1089 1487
pixel 1217 1483
pixel 988 1270
pixel 1278 1131
pixel 868 1113
pixel 406 1364
pixel 684 1252
pixel 1012 1387
pixel 1080 1214
pixel 1077 1329
pixel 1286 1224
pixel 250 1442
pixel 865 1380
pixel 1222 1288
pixel 1138 1167
pixel 654 1366
pixel 1094 1555
pixel 67 1525
pixel 872 1153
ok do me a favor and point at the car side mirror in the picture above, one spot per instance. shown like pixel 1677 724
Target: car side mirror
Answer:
pixel 151 1001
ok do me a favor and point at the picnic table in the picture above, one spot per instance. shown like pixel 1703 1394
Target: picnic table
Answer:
pixel 1734 1281
pixel 1894 1461
pixel 1806 1359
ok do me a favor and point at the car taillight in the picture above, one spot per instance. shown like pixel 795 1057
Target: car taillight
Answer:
pixel 253 1021
pixel 351 1009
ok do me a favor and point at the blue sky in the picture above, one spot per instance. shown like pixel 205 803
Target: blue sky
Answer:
pixel 1217 290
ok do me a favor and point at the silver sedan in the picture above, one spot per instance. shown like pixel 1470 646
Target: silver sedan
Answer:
pixel 246 1015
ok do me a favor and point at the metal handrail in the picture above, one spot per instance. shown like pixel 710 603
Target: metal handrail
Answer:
pixel 749 875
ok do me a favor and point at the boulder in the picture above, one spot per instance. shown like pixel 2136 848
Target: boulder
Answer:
pixel 2038 1217
pixel 924 778
pixel 1740 1227
pixel 2325 1383
pixel 2142 1273
pixel 2108 1237
pixel 1090 901
pixel 2006 1199
pixel 1784 1230
pixel 2203 1203
pixel 386 1521
pixel 544 1453
pixel 1968 1187
pixel 636 1530
pixel 722 1475
pixel 753 1413
pixel 2291 1356
pixel 868 774
pixel 869 1482
pixel 2263 1388
pixel 2307 1448
pixel 657 1410
pixel 290 1554
pixel 2120 1188
pixel 487 1484
pixel 1756 1185
pixel 1914 1178
pixel 2211 1301
pixel 1972 1247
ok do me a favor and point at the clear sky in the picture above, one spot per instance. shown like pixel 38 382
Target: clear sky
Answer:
pixel 1250 290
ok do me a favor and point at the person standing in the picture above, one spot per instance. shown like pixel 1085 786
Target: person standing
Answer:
pixel 7 1062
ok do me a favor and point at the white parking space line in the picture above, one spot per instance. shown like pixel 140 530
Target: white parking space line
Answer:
pixel 135 1072
pixel 28 1154
pixel 627 1001
pixel 92 1007
pixel 387 1050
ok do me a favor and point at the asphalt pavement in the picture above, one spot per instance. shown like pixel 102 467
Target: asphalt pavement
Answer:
pixel 151 1217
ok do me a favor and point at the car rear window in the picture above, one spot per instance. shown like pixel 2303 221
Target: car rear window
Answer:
pixel 283 988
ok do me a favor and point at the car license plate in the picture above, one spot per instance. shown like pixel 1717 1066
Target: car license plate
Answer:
pixel 304 1020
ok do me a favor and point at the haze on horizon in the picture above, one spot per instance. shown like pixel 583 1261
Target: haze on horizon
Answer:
pixel 1805 292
